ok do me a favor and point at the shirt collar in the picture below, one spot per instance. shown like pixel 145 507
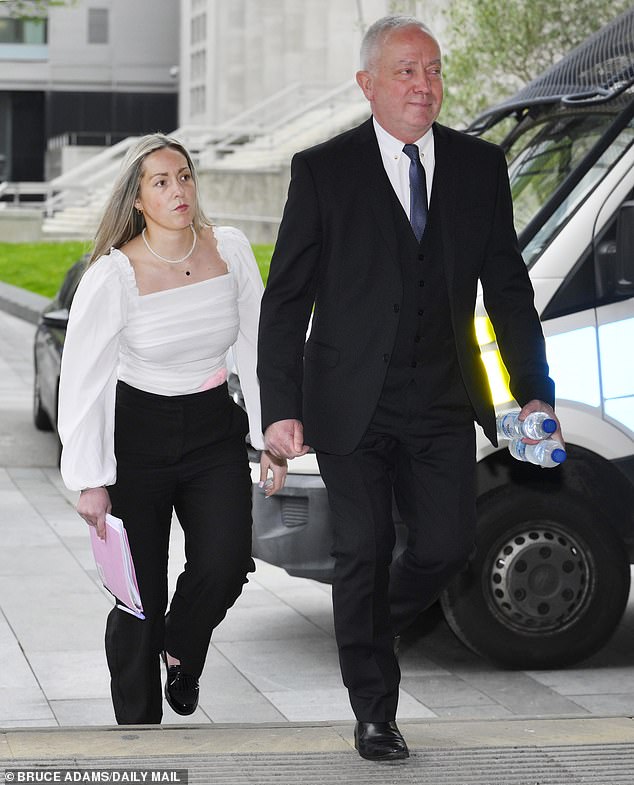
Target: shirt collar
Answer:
pixel 394 147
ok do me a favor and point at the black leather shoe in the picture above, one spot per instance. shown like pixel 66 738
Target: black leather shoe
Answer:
pixel 181 689
pixel 379 741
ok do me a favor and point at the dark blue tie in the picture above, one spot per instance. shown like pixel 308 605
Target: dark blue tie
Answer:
pixel 417 191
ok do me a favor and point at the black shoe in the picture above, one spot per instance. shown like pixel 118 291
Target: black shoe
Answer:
pixel 379 741
pixel 181 689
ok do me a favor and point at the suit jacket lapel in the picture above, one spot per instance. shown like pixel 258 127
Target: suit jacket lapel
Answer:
pixel 375 185
pixel 443 195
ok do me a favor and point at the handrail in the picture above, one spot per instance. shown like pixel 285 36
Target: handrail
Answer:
pixel 28 188
pixel 316 103
pixel 239 127
pixel 263 121
pixel 79 138
pixel 106 156
pixel 285 128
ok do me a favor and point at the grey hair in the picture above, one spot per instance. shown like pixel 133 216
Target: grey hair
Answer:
pixel 120 221
pixel 376 33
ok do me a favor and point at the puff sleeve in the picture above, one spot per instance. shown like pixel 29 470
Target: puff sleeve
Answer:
pixel 250 288
pixel 89 377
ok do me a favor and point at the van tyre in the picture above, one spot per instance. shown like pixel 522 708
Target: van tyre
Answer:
pixel 548 584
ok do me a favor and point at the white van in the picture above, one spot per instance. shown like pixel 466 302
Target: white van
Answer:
pixel 551 576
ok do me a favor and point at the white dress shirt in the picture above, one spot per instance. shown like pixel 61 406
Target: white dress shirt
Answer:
pixel 396 163
pixel 168 343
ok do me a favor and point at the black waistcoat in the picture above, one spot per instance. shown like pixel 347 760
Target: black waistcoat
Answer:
pixel 424 352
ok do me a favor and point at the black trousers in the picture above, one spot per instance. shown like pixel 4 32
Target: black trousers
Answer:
pixel 427 460
pixel 185 454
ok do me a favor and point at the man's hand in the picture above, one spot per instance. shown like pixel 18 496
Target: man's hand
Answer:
pixel 93 505
pixel 285 439
pixel 540 406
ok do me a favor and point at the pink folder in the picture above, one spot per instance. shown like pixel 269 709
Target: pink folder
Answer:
pixel 115 565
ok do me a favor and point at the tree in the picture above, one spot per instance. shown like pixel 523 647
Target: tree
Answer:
pixel 31 9
pixel 494 47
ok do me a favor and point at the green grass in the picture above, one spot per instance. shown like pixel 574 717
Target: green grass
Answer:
pixel 263 255
pixel 40 267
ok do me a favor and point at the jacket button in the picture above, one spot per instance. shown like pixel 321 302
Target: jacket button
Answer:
pixel 421 283
pixel 420 311
pixel 397 307
pixel 421 257
pixel 386 358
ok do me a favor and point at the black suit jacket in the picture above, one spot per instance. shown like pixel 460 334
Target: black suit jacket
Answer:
pixel 337 250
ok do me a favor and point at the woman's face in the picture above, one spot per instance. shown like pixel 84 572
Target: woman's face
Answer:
pixel 167 193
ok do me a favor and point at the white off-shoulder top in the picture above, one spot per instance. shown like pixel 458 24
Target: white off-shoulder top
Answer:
pixel 170 342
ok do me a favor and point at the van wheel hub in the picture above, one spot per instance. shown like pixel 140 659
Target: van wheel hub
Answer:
pixel 539 580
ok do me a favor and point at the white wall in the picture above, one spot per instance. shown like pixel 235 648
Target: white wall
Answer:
pixel 142 47
pixel 236 53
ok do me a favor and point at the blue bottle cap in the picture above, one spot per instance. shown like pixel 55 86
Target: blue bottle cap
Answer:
pixel 558 455
pixel 549 426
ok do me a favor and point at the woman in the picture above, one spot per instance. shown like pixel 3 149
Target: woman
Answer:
pixel 147 424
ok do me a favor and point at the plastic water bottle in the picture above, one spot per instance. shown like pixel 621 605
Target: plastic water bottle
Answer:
pixel 547 453
pixel 538 425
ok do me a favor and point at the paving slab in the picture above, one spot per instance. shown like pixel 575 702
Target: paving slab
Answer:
pixel 272 685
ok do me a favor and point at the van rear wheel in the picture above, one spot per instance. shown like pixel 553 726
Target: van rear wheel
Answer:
pixel 548 585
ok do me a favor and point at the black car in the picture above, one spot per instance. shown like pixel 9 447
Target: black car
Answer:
pixel 47 350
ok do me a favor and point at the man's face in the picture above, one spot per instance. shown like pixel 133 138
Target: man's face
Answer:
pixel 404 85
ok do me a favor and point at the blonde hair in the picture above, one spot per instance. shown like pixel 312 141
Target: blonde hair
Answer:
pixel 120 221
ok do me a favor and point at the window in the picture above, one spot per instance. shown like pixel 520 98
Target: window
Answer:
pixel 198 65
pixel 197 100
pixel 595 279
pixel 543 165
pixel 198 28
pixel 97 25
pixel 23 31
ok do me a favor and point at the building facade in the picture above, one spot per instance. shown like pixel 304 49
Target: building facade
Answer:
pixel 93 72
pixel 237 54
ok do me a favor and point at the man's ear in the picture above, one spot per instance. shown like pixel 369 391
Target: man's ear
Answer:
pixel 364 80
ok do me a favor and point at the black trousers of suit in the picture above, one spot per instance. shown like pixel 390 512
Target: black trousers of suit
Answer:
pixel 427 458
pixel 184 453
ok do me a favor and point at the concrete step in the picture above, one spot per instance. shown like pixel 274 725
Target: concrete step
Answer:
pixel 593 751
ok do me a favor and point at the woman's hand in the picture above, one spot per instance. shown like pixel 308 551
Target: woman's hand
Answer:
pixel 277 466
pixel 93 505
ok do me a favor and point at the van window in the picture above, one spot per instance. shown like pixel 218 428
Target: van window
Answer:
pixel 593 281
pixel 544 157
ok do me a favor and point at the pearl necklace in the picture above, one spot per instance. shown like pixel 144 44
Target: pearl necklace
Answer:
pixel 162 258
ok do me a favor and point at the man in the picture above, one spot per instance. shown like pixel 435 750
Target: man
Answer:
pixel 390 380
